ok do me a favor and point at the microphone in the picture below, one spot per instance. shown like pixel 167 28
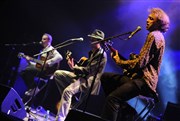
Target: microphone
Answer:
pixel 77 39
pixel 25 44
pixel 37 43
pixel 134 32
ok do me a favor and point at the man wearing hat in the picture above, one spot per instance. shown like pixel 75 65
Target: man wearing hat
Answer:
pixel 81 77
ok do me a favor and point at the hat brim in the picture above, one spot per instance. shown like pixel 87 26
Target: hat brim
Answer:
pixel 96 37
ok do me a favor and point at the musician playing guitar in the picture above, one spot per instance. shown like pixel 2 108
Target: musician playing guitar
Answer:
pixel 120 88
pixel 35 66
pixel 80 78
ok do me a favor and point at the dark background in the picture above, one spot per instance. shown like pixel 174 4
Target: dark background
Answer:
pixel 24 21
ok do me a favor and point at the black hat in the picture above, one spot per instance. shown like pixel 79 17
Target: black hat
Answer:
pixel 97 34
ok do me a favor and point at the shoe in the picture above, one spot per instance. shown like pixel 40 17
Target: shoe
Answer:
pixel 30 92
pixel 58 118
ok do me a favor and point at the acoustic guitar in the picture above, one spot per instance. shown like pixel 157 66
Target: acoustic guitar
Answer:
pixel 40 62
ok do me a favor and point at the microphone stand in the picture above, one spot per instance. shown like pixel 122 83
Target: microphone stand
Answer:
pixel 91 87
pixel 87 95
pixel 61 45
pixel 31 100
pixel 110 38
pixel 23 44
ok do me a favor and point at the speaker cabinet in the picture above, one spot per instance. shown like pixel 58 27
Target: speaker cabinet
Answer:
pixel 11 103
pixel 77 115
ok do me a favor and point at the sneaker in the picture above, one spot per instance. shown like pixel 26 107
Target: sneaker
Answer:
pixel 58 118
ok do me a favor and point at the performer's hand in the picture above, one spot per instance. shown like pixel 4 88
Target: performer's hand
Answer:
pixel 115 57
pixel 71 63
pixel 28 58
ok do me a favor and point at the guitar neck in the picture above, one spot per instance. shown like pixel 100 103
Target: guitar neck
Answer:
pixel 113 50
pixel 33 59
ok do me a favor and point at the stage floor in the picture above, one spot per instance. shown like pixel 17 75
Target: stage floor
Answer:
pixel 75 114
pixel 39 115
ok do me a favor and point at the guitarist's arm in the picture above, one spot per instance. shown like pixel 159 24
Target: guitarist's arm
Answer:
pixel 78 69
pixel 54 57
pixel 120 60
pixel 117 57
pixel 30 60
pixel 124 63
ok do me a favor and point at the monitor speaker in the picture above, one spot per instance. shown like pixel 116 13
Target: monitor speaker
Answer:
pixel 11 103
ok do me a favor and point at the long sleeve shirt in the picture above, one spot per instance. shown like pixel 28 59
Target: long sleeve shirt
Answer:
pixel 53 56
pixel 149 59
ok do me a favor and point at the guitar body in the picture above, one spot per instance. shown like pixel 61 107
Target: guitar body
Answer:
pixel 83 61
pixel 132 73
pixel 39 64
